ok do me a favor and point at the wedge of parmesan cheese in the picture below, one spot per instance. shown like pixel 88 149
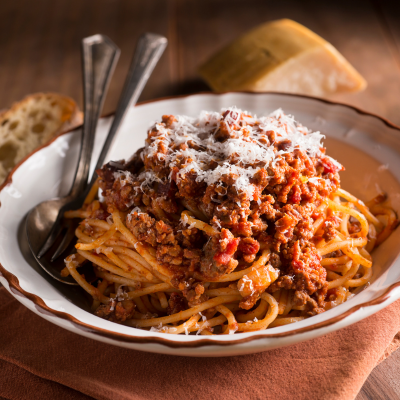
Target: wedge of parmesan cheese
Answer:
pixel 281 56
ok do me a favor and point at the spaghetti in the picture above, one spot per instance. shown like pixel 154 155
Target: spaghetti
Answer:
pixel 225 223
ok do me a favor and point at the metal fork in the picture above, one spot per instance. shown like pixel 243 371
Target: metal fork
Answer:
pixel 99 58
pixel 149 50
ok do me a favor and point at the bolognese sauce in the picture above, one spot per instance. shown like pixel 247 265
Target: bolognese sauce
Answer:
pixel 225 204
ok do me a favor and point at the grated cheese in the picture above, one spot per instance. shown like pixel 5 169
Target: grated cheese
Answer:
pixel 124 176
pixel 243 154
pixel 135 210
pixel 203 317
pixel 158 328
pixel 121 294
pixel 246 281
pixel 184 219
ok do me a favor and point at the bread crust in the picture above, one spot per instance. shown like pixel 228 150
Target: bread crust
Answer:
pixel 32 122
pixel 76 115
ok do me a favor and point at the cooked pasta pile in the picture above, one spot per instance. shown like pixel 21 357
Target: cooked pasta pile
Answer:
pixel 225 223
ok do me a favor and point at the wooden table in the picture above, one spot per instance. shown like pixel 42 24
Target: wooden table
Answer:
pixel 40 51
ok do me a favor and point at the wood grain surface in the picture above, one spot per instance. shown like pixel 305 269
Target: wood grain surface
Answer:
pixel 40 42
pixel 40 51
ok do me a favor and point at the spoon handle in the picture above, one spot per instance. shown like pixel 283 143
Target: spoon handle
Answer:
pixel 99 58
pixel 148 51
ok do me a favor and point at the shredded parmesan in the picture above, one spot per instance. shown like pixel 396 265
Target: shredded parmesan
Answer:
pixel 157 328
pixel 203 317
pixel 242 155
pixel 125 177
pixel 121 295
pixel 184 219
pixel 246 281
pixel 135 210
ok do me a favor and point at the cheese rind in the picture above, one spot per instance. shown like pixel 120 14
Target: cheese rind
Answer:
pixel 281 56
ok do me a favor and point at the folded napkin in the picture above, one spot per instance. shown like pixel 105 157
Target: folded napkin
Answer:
pixel 39 360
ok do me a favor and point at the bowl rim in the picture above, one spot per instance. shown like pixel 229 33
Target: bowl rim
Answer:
pixel 41 306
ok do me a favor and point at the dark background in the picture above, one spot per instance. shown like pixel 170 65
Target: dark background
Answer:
pixel 40 42
pixel 40 51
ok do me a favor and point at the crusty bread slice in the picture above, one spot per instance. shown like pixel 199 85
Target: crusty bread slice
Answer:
pixel 32 122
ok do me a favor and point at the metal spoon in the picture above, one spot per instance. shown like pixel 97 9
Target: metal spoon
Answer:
pixel 99 58
pixel 43 223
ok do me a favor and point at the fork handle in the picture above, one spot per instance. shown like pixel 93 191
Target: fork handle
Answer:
pixel 99 58
pixel 148 51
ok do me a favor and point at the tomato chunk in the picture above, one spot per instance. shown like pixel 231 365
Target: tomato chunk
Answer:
pixel 330 165
pixel 249 246
pixel 224 256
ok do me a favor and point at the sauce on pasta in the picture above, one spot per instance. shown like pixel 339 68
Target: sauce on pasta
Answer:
pixel 225 223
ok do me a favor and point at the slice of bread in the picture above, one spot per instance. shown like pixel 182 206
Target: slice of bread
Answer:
pixel 31 123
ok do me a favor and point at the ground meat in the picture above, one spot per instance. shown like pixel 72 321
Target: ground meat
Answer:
pixel 193 256
pixel 304 274
pixel 168 120
pixel 97 210
pixel 121 195
pixel 190 188
pixel 284 228
pixel 165 204
pixel 306 266
pixel 218 254
pixel 226 128
pixel 329 227
pixel 194 294
pixel 354 226
pixel 166 190
pixel 278 215
pixel 116 311
pixel 158 234
pixel 135 163
pixel 300 298
pixel 147 229
pixel 192 239
pixel 106 174
pixel 283 282
pixel 275 260
pixel 248 302
pixel 176 303
pixel 249 248
pixel 170 254
pixel 315 311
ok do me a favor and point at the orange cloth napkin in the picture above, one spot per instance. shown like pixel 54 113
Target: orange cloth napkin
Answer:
pixel 39 360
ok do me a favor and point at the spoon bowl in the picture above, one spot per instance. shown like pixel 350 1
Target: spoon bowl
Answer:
pixel 39 223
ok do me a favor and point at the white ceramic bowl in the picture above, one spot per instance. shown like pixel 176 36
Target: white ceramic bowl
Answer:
pixel 368 146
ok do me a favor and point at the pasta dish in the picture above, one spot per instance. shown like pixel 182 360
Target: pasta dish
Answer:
pixel 224 223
